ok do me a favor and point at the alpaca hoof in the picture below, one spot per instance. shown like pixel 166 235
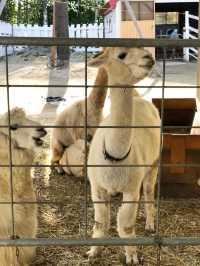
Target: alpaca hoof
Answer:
pixel 92 253
pixel 130 260
pixel 149 228
pixel 59 170
pixel 149 232
pixel 141 259
pixel 56 168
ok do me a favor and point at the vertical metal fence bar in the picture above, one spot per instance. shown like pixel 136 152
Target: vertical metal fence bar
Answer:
pixel 158 218
pixel 85 163
pixel 10 147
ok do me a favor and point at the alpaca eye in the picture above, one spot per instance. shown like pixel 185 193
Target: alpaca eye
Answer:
pixel 89 138
pixel 98 54
pixel 14 127
pixel 122 56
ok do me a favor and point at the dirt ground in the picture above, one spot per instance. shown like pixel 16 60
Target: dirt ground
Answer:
pixel 64 218
pixel 178 218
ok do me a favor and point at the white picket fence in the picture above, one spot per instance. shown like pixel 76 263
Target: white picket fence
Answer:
pixel 190 33
pixel 75 31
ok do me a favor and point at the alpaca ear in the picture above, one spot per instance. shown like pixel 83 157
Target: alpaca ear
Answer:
pixel 99 60
pixel 17 112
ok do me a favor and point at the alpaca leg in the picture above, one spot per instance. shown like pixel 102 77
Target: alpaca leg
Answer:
pixel 126 224
pixel 149 191
pixel 102 217
pixel 57 152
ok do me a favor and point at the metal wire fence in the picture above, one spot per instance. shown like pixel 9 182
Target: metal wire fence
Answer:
pixel 158 240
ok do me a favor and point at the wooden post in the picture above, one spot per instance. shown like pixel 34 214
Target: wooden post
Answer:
pixel 59 58
pixel 60 54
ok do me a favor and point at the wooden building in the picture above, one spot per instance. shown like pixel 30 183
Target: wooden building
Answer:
pixel 118 23
pixel 156 19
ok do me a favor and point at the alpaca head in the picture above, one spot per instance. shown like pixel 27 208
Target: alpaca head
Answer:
pixel 125 65
pixel 26 138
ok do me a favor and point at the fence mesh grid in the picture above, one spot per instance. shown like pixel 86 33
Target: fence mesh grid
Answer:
pixel 158 241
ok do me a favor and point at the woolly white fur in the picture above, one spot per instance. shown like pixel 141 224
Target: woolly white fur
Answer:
pixel 25 215
pixel 127 108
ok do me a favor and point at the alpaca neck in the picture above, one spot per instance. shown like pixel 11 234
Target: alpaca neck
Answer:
pixel 98 94
pixel 118 140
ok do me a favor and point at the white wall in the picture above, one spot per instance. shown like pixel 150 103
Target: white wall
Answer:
pixel 112 22
pixel 109 24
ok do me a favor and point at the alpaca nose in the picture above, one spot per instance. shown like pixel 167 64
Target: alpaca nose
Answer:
pixel 42 131
pixel 148 56
pixel 150 60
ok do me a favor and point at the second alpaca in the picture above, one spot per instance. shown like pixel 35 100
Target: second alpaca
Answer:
pixel 74 115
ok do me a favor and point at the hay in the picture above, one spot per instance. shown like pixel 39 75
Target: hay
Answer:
pixel 66 220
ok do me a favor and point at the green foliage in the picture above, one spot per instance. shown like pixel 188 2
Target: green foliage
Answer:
pixel 9 12
pixel 84 11
pixel 32 11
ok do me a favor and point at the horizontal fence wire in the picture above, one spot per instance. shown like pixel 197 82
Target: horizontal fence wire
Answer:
pixel 97 42
pixel 14 127
pixel 88 203
pixel 95 86
pixel 158 240
pixel 138 241
pixel 166 165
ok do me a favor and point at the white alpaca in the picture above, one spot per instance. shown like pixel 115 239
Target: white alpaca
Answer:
pixel 24 142
pixel 74 155
pixel 128 146
pixel 75 116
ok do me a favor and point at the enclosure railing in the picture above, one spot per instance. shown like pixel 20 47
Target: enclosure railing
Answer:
pixel 190 33
pixel 157 240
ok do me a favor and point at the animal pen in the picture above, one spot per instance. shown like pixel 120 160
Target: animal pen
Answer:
pixel 158 242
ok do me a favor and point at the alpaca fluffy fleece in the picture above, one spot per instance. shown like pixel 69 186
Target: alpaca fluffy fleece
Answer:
pixel 23 143
pixel 126 146
pixel 74 115
pixel 74 155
